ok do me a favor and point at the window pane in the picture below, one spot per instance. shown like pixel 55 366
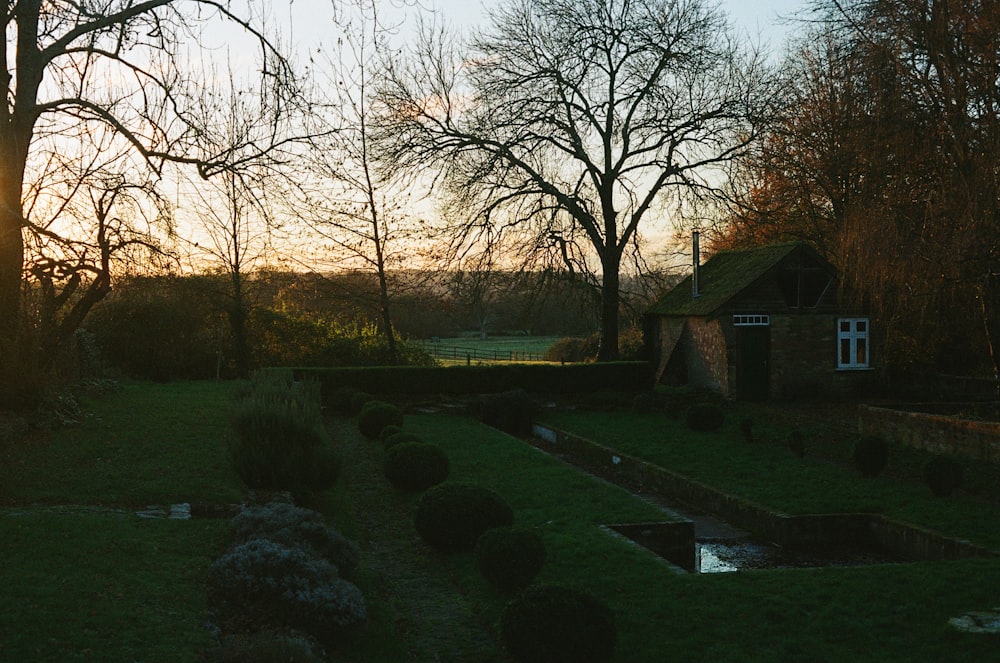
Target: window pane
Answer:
pixel 862 326
pixel 845 352
pixel 862 346
pixel 845 325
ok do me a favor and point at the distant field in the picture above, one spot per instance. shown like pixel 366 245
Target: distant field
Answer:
pixel 494 348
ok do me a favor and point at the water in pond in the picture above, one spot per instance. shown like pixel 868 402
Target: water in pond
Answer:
pixel 745 555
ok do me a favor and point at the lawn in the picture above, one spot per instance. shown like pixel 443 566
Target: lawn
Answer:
pixel 768 474
pixel 85 579
pixel 882 613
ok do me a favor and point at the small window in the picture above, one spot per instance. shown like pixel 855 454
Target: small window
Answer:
pixel 751 320
pixel 852 343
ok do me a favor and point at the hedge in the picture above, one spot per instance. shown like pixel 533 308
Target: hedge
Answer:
pixel 534 378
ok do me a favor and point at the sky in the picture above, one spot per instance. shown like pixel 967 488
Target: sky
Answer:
pixel 761 20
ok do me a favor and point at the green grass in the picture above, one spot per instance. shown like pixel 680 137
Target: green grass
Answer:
pixel 146 444
pixel 103 586
pixel 537 344
pixel 83 577
pixel 97 583
pixel 88 579
pixel 770 475
pixel 880 613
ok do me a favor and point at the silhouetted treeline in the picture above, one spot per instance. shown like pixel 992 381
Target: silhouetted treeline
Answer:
pixel 171 327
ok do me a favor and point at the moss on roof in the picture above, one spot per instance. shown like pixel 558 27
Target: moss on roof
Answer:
pixel 724 276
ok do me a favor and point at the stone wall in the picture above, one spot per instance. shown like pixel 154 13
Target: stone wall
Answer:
pixel 977 440
pixel 704 347
pixel 903 539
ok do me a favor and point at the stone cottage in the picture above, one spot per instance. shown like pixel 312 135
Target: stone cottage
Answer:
pixel 761 323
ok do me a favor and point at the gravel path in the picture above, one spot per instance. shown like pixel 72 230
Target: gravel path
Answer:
pixel 431 614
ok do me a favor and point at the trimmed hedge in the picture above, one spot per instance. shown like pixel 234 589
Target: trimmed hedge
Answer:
pixel 510 557
pixel 705 417
pixel 415 466
pixel 871 454
pixel 943 475
pixel 549 624
pixel 452 516
pixel 375 416
pixel 534 378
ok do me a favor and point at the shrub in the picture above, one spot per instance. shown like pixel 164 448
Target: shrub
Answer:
pixel 746 429
pixel 357 403
pixel 510 557
pixel 267 647
pixel 376 415
pixel 280 442
pixel 293 526
pixel 415 465
pixel 871 455
pixel 510 411
pixel 262 583
pixel 943 475
pixel 548 624
pixel 341 400
pixel 568 350
pixel 399 438
pixel 331 611
pixel 391 429
pixel 275 447
pixel 797 443
pixel 452 515
pixel 705 417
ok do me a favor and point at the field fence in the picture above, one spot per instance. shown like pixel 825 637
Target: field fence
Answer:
pixel 462 353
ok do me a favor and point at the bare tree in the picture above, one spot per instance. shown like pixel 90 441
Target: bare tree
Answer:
pixel 572 118
pixel 69 67
pixel 233 204
pixel 354 200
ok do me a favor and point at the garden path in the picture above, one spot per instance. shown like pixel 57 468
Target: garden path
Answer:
pixel 431 614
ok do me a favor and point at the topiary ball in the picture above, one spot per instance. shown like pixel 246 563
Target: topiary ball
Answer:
pixel 451 516
pixel 547 624
pixel 391 429
pixel 415 465
pixel 357 401
pixel 871 455
pixel 943 475
pixel 389 441
pixel 510 557
pixel 376 415
pixel 705 417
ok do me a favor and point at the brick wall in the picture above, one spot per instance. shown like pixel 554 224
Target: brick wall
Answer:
pixel 704 347
pixel 978 440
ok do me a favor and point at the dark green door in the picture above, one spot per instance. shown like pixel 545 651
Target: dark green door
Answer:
pixel 753 376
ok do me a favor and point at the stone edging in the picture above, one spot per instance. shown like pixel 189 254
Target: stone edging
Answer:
pixel 903 539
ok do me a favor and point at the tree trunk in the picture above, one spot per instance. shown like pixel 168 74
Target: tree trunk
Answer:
pixel 11 265
pixel 238 327
pixel 608 350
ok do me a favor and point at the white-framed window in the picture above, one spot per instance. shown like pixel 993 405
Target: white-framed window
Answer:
pixel 852 343
pixel 751 320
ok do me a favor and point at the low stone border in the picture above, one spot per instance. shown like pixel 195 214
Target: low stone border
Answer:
pixel 901 539
pixel 939 434
pixel 673 541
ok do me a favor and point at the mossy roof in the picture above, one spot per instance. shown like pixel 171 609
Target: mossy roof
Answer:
pixel 723 277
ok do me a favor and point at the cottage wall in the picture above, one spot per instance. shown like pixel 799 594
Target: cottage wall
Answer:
pixel 704 346
pixel 803 360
